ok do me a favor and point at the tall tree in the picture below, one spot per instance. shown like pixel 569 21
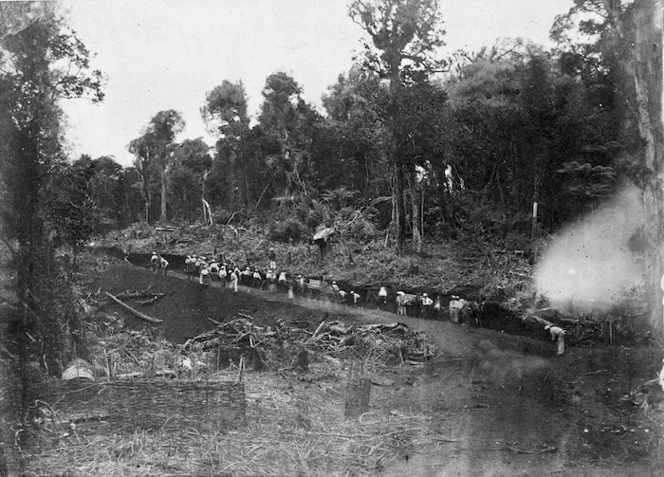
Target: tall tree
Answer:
pixel 405 36
pixel 625 38
pixel 41 62
pixel 191 166
pixel 287 121
pixel 154 152
pixel 349 147
pixel 107 194
pixel 225 113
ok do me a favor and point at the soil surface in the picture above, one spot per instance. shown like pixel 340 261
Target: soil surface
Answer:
pixel 502 404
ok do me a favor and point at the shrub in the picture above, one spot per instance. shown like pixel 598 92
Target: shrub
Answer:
pixel 286 229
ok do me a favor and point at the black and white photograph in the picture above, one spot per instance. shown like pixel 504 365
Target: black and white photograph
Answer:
pixel 323 238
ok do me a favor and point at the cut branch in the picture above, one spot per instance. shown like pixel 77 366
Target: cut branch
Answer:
pixel 134 312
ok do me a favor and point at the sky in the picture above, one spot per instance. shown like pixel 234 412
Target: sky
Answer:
pixel 167 54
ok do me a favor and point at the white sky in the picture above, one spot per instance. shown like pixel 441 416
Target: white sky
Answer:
pixel 166 54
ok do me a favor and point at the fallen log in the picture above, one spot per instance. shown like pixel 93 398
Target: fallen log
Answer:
pixel 138 294
pixel 134 312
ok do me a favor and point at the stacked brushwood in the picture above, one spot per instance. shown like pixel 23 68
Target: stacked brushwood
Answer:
pixel 207 406
pixel 384 343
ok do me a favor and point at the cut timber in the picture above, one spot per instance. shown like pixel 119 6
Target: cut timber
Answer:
pixel 133 311
pixel 142 294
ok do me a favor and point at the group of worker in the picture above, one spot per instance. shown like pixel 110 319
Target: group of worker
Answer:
pixel 460 310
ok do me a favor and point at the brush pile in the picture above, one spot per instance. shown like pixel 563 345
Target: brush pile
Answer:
pixel 388 344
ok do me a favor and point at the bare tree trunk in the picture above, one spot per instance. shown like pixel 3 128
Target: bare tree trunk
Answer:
pixel 398 209
pixel 414 198
pixel 533 231
pixel 162 180
pixel 644 67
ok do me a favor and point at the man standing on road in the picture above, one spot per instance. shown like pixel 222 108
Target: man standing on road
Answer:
pixel 425 305
pixel 234 279
pixel 273 260
pixel 204 278
pixel 382 295
pixel 154 262
pixel 456 305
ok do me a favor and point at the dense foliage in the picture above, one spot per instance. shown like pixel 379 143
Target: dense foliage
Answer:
pixel 46 201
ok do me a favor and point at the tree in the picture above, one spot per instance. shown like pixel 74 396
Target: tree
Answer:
pixel 518 123
pixel 349 147
pixel 225 113
pixel 405 35
pixel 41 63
pixel 154 151
pixel 70 205
pixel 617 36
pixel 191 166
pixel 107 194
pixel 287 121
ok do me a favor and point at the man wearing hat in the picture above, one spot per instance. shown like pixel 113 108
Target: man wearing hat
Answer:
pixel 154 262
pixel 456 304
pixel 425 305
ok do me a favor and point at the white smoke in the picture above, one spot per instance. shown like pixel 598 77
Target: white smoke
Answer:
pixel 589 265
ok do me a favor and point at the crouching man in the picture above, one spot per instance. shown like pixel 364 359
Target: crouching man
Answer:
pixel 558 334
pixel 163 265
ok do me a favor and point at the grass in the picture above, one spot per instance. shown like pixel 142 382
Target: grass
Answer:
pixel 294 427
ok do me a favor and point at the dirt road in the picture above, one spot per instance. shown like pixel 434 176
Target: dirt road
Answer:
pixel 501 404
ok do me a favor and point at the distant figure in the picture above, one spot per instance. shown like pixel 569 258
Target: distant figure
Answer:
pixel 291 295
pixel 247 275
pixel 258 280
pixel 557 333
pixel 355 297
pixel 204 278
pixel 436 306
pixel 154 262
pixel 425 305
pixel 222 273
pixel 234 280
pixel 456 304
pixel 282 280
pixel 273 259
pixel 382 294
pixel 190 265
pixel 342 296
pixel 404 300
pixel 214 268
pixel 335 287
pixel 163 265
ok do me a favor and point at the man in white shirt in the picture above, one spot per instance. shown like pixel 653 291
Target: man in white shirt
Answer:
pixel 557 333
